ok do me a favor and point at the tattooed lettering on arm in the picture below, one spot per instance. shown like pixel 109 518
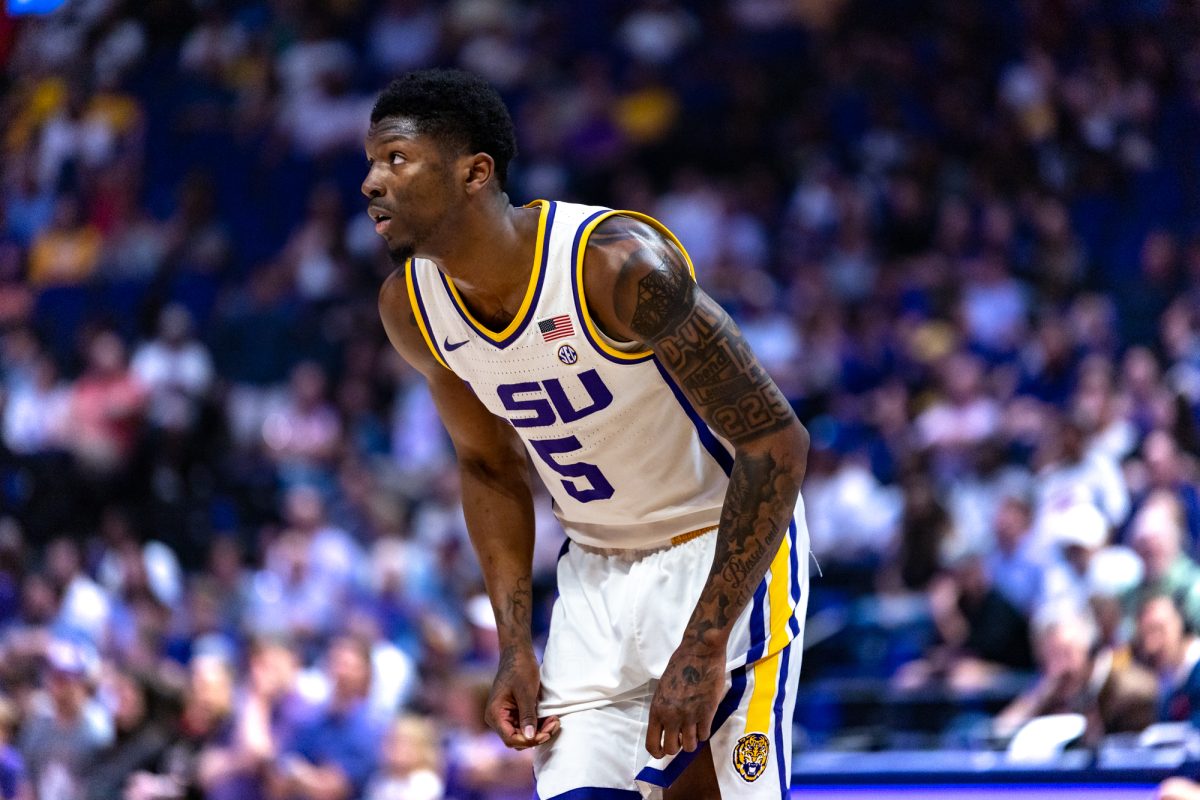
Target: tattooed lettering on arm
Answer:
pixel 703 348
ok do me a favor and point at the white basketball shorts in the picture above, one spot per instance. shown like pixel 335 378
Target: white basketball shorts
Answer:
pixel 618 618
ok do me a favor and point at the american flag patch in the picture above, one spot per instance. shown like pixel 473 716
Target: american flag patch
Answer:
pixel 558 327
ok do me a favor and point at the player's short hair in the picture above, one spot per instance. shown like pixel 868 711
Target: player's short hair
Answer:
pixel 459 108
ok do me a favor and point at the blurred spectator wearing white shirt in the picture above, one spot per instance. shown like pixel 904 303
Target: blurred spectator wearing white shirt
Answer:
pixel 410 763
pixel 86 607
pixel 963 417
pixel 1075 535
pixel 302 437
pixel 35 412
pixel 1073 475
pixel 176 369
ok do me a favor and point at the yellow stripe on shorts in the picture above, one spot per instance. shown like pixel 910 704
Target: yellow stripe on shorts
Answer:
pixel 766 671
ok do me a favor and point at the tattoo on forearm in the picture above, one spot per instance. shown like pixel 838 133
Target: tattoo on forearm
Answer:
pixel 513 612
pixel 761 495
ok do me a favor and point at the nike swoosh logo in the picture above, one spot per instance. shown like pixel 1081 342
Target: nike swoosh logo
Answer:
pixel 450 348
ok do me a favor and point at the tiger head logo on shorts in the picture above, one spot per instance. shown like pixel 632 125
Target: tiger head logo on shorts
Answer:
pixel 750 756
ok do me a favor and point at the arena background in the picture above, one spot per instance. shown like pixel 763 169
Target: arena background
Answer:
pixel 962 235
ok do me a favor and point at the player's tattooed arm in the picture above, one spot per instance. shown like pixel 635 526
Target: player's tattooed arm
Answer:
pixel 644 291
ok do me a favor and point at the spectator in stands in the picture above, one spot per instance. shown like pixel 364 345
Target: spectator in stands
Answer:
pixel 302 437
pixel 1013 565
pixel 410 763
pixel 1063 639
pixel 335 557
pixel 268 713
pixel 1095 405
pixel 14 782
pixel 478 766
pixel 1167 470
pixel 176 371
pixel 68 251
pixel 84 606
pixel 316 252
pixel 288 598
pixel 197 241
pixel 1157 536
pixel 35 413
pixel 272 689
pixel 851 515
pixel 964 415
pixel 1166 643
pixel 206 721
pixel 107 408
pixel 141 734
pixel 1144 400
pixel 66 729
pixel 333 757
pixel 1074 535
pixel 980 634
pixel 1072 474
pixel 1127 698
pixel 975 493
pixel 925 528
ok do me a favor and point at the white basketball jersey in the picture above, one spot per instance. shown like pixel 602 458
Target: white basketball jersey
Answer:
pixel 628 461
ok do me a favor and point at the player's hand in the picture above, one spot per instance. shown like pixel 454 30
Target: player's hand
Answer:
pixel 682 711
pixel 512 706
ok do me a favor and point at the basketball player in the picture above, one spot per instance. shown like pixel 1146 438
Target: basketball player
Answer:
pixel 575 337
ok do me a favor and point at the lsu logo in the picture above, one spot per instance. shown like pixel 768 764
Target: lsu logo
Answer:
pixel 750 756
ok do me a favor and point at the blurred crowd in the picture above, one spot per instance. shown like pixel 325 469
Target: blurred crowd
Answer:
pixel 961 234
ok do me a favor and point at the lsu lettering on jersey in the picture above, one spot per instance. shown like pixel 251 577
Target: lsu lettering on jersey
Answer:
pixel 628 461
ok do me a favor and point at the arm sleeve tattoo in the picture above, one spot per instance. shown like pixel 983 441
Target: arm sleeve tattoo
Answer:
pixel 703 350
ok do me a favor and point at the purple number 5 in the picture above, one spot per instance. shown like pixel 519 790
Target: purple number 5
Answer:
pixel 600 488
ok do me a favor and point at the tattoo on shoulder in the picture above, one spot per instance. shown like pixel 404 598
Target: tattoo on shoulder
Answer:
pixel 663 298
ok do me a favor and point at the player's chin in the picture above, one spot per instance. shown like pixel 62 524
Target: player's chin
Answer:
pixel 400 253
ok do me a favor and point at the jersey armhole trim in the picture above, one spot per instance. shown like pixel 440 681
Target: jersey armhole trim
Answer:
pixel 418 307
pixel 591 332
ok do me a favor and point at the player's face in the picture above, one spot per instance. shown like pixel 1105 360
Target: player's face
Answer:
pixel 409 187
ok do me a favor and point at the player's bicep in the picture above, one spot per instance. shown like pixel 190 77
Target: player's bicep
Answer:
pixel 656 300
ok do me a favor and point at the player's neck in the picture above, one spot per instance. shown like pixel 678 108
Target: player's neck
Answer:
pixel 493 255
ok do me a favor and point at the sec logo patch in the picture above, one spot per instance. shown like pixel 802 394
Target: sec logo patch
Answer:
pixel 750 756
pixel 567 354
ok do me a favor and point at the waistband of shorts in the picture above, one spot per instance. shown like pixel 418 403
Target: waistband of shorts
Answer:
pixel 635 554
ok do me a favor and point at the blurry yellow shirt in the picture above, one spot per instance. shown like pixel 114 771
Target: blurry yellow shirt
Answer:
pixel 64 257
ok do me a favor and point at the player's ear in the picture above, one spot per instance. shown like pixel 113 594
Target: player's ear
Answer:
pixel 479 170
